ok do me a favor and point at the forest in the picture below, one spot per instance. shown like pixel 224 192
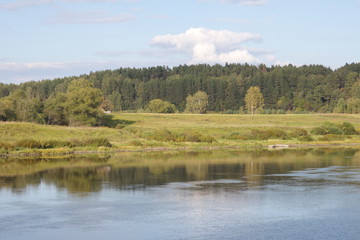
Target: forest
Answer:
pixel 83 99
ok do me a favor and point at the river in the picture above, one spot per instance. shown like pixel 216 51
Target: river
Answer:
pixel 285 194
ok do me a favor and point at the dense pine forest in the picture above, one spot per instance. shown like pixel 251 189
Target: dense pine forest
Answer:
pixel 285 89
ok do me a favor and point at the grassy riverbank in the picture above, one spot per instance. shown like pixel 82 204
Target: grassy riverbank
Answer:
pixel 135 131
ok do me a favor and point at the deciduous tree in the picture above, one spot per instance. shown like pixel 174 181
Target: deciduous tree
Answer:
pixel 82 105
pixel 160 106
pixel 197 103
pixel 254 100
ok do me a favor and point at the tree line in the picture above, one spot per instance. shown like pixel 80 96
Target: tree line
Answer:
pixel 65 101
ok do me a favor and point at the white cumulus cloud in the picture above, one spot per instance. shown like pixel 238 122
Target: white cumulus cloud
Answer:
pixel 210 46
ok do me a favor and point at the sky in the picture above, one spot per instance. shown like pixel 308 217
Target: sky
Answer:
pixel 46 39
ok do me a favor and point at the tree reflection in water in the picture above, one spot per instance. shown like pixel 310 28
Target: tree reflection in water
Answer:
pixel 135 171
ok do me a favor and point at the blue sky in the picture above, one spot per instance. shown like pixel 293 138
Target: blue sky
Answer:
pixel 44 39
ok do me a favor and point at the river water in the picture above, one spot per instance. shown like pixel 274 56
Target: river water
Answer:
pixel 287 194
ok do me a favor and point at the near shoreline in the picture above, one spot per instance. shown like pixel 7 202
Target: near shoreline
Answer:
pixel 139 132
pixel 167 149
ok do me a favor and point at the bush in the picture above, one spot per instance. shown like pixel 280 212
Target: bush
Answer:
pixel 273 133
pixel 345 128
pixel 235 136
pixel 230 112
pixel 94 142
pixel 29 143
pixel 319 131
pixel 5 145
pixel 298 132
pixel 160 106
pixel 164 135
pixel 332 128
pixel 259 134
pixel 197 137
pixel 306 138
pixel 331 137
pixel 136 143
pixel 34 144
pixel 348 129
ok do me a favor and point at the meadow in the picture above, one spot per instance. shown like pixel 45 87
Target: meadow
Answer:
pixel 144 131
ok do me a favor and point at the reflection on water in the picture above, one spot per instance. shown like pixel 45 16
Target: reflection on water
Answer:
pixel 287 194
pixel 139 170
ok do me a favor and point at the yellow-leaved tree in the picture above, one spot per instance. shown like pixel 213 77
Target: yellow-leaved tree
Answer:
pixel 254 100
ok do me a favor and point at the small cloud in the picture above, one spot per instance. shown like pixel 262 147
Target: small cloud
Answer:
pixel 247 2
pixel 160 17
pixel 210 46
pixel 20 4
pixel 16 5
pixel 15 72
pixel 13 66
pixel 85 17
pixel 233 20
pixel 94 1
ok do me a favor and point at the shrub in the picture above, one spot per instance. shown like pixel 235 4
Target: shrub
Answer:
pixel 345 128
pixel 231 112
pixel 319 131
pixel 273 133
pixel 331 137
pixel 120 126
pixel 192 137
pixel 29 143
pixel 235 136
pixel 298 132
pixel 306 138
pixel 260 134
pixel 160 106
pixel 164 135
pixel 5 145
pixel 267 111
pixel 207 139
pixel 348 129
pixel 136 143
pixel 95 142
pixel 332 128
pixel 197 137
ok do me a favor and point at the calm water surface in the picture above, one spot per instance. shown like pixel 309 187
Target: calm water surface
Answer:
pixel 307 194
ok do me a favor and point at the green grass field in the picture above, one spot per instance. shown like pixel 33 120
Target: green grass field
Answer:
pixel 142 131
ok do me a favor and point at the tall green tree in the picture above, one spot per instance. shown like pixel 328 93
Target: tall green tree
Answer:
pixel 341 106
pixel 116 100
pixel 254 100
pixel 353 105
pixel 54 110
pixel 197 103
pixel 82 105
pixel 7 109
pixel 355 90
